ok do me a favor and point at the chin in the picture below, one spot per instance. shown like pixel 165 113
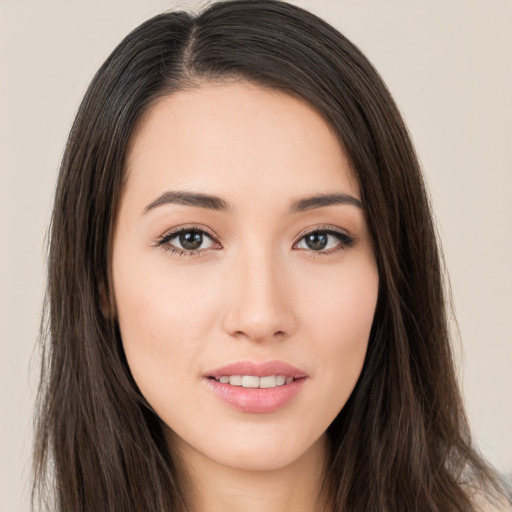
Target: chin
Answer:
pixel 252 451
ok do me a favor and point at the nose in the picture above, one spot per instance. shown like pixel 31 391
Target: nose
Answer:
pixel 259 301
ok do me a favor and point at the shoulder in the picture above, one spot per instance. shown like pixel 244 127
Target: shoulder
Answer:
pixel 488 498
pixel 504 506
pixel 487 504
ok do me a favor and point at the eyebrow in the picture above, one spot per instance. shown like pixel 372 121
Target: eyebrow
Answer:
pixel 211 202
pixel 322 200
pixel 190 199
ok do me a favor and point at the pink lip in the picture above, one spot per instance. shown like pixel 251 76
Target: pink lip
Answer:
pixel 256 400
pixel 258 369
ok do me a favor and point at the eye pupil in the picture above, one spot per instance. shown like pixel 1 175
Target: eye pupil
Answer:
pixel 316 241
pixel 191 240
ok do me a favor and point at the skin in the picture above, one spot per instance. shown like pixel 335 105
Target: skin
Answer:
pixel 257 292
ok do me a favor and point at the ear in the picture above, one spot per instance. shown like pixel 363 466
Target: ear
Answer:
pixel 107 303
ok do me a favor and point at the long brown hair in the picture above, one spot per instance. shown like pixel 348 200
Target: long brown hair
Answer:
pixel 402 441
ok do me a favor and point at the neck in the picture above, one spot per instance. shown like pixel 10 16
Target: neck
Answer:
pixel 213 487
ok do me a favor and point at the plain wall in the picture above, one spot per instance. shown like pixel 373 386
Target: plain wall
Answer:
pixel 448 64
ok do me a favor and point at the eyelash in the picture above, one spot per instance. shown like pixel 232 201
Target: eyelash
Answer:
pixel 164 240
pixel 345 241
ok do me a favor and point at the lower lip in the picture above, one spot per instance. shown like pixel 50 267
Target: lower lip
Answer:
pixel 256 400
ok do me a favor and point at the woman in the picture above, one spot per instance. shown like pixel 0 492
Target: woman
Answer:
pixel 245 299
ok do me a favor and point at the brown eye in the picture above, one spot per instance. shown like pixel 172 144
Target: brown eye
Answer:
pixel 191 240
pixel 316 241
pixel 187 241
pixel 325 241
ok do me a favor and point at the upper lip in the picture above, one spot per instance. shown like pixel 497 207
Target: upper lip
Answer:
pixel 257 369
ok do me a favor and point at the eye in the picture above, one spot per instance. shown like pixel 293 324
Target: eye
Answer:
pixel 325 241
pixel 187 241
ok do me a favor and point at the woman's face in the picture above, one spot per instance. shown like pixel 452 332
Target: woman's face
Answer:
pixel 244 275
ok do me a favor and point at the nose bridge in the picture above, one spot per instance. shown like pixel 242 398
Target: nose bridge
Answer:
pixel 259 305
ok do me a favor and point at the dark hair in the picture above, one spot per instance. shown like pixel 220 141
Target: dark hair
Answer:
pixel 401 442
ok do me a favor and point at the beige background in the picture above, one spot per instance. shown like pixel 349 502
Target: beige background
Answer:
pixel 448 64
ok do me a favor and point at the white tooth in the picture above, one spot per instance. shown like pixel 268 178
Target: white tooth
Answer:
pixel 224 379
pixel 288 380
pixel 235 380
pixel 250 381
pixel 268 382
pixel 280 380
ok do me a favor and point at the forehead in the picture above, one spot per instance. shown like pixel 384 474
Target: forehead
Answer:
pixel 231 138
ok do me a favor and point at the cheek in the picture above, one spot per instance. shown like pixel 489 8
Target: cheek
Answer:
pixel 163 316
pixel 341 302
pixel 340 318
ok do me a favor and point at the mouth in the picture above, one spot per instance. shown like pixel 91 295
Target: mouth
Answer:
pixel 256 387
pixel 253 381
